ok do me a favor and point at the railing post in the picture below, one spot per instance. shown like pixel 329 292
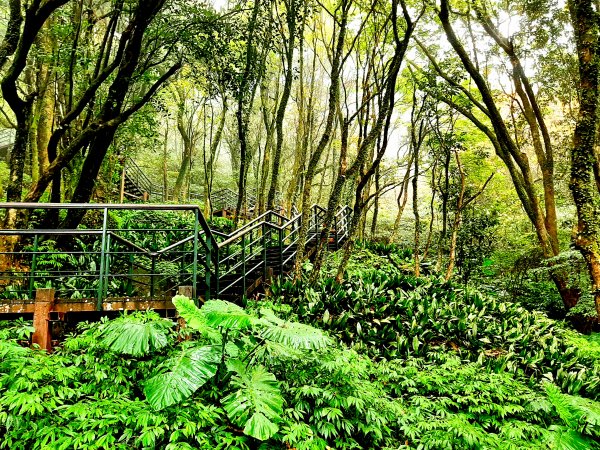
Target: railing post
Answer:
pixel 281 251
pixel 122 189
pixel 195 256
pixel 106 266
pixel 44 301
pixel 243 266
pixel 33 266
pixel 152 276
pixel 102 261
pixel 335 231
pixel 215 262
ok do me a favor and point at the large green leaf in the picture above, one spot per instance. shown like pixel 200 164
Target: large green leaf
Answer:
pixel 132 335
pixel 257 403
pixel 293 334
pixel 190 370
pixel 220 313
pixel 259 427
pixel 194 317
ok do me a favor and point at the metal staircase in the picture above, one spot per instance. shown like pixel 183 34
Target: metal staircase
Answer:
pixel 7 139
pixel 137 186
pixel 125 263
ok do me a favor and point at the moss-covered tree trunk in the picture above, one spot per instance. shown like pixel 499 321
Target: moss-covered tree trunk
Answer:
pixel 584 17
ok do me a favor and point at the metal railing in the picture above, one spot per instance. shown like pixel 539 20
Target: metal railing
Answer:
pixel 119 256
pixel 107 259
pixel 135 175
pixel 7 137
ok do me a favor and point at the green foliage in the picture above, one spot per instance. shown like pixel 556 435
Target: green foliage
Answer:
pixel 189 370
pixel 136 334
pixel 386 314
pixel 433 366
pixel 581 418
pixel 257 403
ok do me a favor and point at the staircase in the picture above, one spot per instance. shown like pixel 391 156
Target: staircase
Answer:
pixel 137 186
pixel 7 140
pixel 124 264
pixel 267 246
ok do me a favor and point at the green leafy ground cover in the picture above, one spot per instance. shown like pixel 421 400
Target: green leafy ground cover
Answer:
pixel 382 361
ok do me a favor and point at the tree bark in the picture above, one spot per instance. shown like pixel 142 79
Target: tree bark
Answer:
pixel 584 16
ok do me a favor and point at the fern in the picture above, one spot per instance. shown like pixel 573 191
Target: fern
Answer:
pixel 136 334
pixel 190 370
pixel 257 403
pixel 563 438
pixel 578 414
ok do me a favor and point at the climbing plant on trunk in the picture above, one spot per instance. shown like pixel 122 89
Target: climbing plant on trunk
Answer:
pixel 585 162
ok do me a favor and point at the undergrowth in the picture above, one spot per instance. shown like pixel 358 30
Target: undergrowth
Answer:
pixel 414 363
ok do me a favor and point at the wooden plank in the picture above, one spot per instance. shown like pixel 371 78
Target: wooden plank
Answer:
pixel 88 305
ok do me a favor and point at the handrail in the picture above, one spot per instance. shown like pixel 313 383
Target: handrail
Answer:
pixel 227 263
pixel 239 235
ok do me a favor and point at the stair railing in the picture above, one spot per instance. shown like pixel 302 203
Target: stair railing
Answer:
pixel 108 262
pixel 128 262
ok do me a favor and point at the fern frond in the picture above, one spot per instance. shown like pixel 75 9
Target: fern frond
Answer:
pixel 292 334
pixel 132 335
pixel 563 438
pixel 194 318
pixel 220 313
pixel 190 370
pixel 577 413
pixel 257 403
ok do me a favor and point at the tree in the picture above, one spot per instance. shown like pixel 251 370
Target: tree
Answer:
pixel 386 88
pixel 294 16
pixel 585 160
pixel 484 111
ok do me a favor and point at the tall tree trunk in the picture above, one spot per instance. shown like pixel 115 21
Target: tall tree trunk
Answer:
pixel 585 16
pixel 379 120
pixel 376 204
pixel 415 205
pixel 188 147
pixel 515 160
pixel 289 44
pixel 112 108
pixel 165 170
pixel 401 200
pixel 209 166
pixel 269 124
pixel 333 102
pixel 457 217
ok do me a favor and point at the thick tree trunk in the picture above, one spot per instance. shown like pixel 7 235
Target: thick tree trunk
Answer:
pixel 417 235
pixel 269 123
pixel 184 169
pixel 584 17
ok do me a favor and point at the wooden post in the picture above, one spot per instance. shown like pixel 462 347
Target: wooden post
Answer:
pixel 187 291
pixel 44 302
pixel 122 190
